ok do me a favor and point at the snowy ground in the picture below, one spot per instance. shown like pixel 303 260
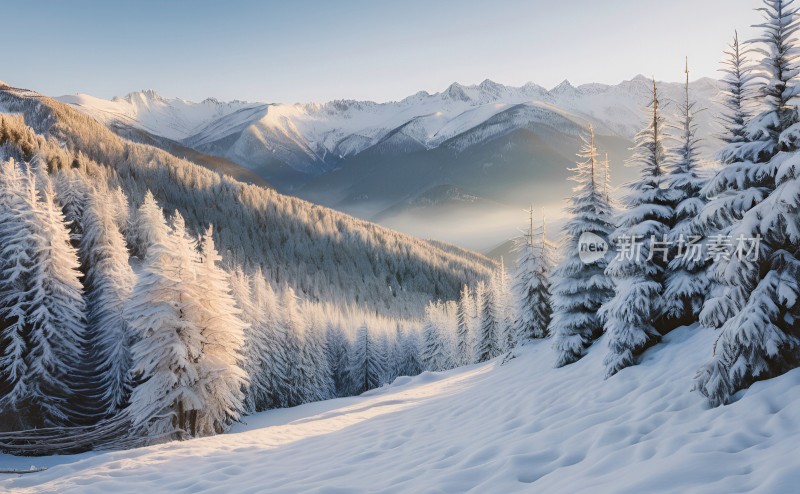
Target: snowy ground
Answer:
pixel 522 426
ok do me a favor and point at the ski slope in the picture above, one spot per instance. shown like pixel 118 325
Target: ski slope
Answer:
pixel 518 427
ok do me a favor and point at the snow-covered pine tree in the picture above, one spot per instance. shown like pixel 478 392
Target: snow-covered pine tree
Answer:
pixel 222 380
pixel 436 353
pixel 463 350
pixel 169 342
pixel 337 351
pixel 506 309
pixel 109 281
pixel 410 363
pixel 488 343
pixel 16 231
pixel 639 266
pixel 736 93
pixel 252 351
pixel 142 234
pixel 724 300
pixel 268 339
pixel 686 282
pixel 761 340
pixel 317 380
pixel 72 193
pixel 290 382
pixel 531 288
pixel 365 369
pixel 41 304
pixel 579 289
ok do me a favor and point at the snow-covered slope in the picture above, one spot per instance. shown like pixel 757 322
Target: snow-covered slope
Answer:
pixel 174 119
pixel 519 427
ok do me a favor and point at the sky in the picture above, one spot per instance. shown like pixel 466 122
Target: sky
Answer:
pixel 308 50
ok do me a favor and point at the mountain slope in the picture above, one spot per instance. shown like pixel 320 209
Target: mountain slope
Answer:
pixel 326 255
pixel 505 145
pixel 518 427
pixel 311 139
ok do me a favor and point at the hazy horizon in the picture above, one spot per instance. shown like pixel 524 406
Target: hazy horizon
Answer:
pixel 312 51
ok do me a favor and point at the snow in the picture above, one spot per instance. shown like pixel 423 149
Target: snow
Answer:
pixel 303 133
pixel 522 426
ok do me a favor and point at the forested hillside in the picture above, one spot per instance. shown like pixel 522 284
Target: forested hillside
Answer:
pixel 325 255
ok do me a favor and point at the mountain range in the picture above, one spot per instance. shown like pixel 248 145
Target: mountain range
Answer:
pixel 456 165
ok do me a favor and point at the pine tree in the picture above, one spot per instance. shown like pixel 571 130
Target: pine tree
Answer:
pixel 290 381
pixel 532 283
pixel 639 266
pixel 737 93
pixel 253 349
pixel 316 375
pixel 41 304
pixel 579 289
pixel 109 282
pixel 16 252
pixel 222 379
pixel 273 360
pixel 464 352
pixel 762 194
pixel 686 283
pixel 337 350
pixel 488 344
pixel 410 363
pixel 435 354
pixel 365 368
pixel 167 397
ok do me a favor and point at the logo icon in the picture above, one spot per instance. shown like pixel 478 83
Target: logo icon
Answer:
pixel 591 247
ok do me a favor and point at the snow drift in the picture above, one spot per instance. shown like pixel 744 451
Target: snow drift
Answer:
pixel 522 426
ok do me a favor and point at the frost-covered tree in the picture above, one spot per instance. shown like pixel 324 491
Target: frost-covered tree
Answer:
pixel 686 283
pixel 463 350
pixel 760 192
pixel 639 266
pixel 268 337
pixel 167 397
pixel 108 282
pixel 290 378
pixel 410 364
pixel 736 96
pixel 337 351
pixel 365 363
pixel 436 354
pixel 41 304
pixel 535 259
pixel 214 311
pixel 317 376
pixel 579 289
pixel 488 337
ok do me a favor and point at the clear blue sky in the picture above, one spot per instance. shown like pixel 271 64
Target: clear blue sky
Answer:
pixel 305 50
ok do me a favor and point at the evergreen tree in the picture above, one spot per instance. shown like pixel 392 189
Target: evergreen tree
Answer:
pixel 410 363
pixel 760 184
pixel 435 354
pixel 109 282
pixel 532 283
pixel 365 362
pixel 640 264
pixel 579 289
pixel 167 398
pixel 222 379
pixel 16 252
pixel 737 93
pixel 337 350
pixel 686 283
pixel 290 381
pixel 464 352
pixel 488 344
